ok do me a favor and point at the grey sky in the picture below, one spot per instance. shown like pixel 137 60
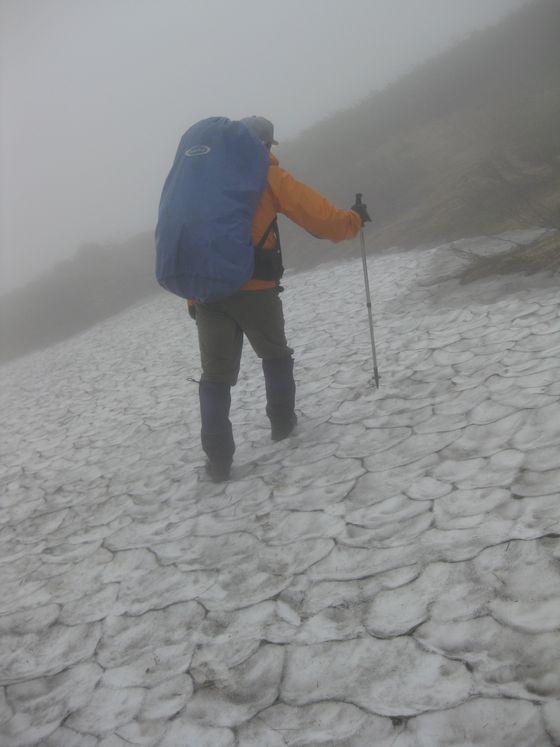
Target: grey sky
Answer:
pixel 95 94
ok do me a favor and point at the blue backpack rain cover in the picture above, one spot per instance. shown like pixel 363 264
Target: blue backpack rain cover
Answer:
pixel 204 247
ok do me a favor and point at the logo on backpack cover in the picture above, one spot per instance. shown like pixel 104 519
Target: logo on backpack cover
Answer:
pixel 197 150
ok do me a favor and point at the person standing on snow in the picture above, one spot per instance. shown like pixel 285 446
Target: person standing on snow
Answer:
pixel 256 312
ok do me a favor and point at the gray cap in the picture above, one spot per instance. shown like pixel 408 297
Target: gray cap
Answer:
pixel 262 128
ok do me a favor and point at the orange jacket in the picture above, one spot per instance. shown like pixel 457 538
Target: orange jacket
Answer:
pixel 304 206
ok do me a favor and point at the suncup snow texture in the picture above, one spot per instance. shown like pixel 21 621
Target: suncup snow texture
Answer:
pixel 386 576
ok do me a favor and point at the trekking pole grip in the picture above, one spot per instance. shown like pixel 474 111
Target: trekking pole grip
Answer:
pixel 358 198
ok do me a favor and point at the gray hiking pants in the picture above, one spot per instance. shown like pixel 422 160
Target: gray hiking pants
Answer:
pixel 221 326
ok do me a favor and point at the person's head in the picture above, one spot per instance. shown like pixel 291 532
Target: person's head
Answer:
pixel 262 128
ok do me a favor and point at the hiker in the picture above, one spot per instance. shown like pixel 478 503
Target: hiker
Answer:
pixel 256 311
pixel 217 245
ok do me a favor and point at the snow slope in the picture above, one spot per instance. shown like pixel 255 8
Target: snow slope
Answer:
pixel 388 576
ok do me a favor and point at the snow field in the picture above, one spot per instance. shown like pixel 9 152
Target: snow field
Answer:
pixel 388 576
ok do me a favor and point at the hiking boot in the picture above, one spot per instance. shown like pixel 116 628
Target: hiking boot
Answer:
pixel 218 471
pixel 280 428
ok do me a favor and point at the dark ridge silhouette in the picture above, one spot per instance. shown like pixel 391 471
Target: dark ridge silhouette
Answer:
pixel 466 144
pixel 96 283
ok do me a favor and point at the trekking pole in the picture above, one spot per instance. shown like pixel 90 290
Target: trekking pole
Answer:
pixel 368 299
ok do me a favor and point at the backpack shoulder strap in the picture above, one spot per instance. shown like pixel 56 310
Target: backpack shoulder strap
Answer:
pixel 268 262
pixel 272 227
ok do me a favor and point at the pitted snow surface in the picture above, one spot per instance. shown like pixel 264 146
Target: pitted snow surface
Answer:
pixel 388 576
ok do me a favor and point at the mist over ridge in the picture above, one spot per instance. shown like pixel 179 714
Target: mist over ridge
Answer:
pixel 465 144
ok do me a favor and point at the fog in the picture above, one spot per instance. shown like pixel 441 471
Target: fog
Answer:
pixel 95 94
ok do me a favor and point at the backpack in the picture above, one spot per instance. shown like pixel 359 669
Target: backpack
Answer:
pixel 204 248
